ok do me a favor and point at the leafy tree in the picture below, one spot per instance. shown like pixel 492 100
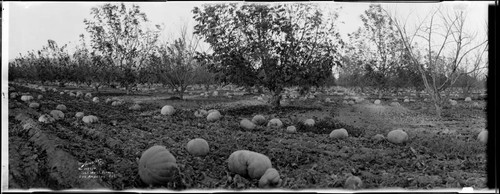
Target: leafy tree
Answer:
pixel 380 46
pixel 270 45
pixel 118 33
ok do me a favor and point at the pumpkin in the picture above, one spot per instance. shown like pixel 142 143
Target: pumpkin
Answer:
pixel 248 164
pixel 117 103
pixel 378 137
pixel 275 123
pixel 468 99
pixel 26 98
pixel 291 129
pixel 453 102
pixel 198 147
pixel 483 136
pixel 406 100
pixel 79 94
pixel 34 105
pixel 395 104
pixel 397 136
pixel 13 95
pixel 79 114
pixel 40 97
pixel 61 107
pixel 61 93
pixel 351 102
pixel 167 110
pixel 339 133
pixel 213 116
pixel 200 113
pixel 353 182
pixel 95 100
pixel 57 114
pixel 88 95
pixel 135 107
pixel 270 178
pixel 212 110
pixel 108 100
pixel 72 94
pixel 259 120
pixel 309 122
pixel 376 102
pixel 157 166
pixel 46 119
pixel 90 119
pixel 345 102
pixel 247 124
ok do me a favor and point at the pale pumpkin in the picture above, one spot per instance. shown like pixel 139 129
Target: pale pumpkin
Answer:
pixel 61 107
pixel 275 123
pixel 248 164
pixel 198 147
pixel 26 98
pixel 483 136
pixel 213 116
pixel 397 136
pixel 353 182
pixel 339 133
pixel 57 114
pixel 291 129
pixel 247 124
pixel 46 119
pixel 270 178
pixel 90 119
pixel 309 122
pixel 79 114
pixel 167 110
pixel 259 120
pixel 34 105
pixel 157 166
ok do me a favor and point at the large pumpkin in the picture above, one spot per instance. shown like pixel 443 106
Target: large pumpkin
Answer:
pixel 157 166
pixel 248 163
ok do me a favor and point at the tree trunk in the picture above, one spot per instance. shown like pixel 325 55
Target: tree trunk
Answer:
pixel 276 98
pixel 438 109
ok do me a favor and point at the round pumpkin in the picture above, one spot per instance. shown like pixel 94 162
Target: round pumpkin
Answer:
pixel 213 116
pixel 309 122
pixel 198 147
pixel 270 178
pixel 61 107
pixel 353 182
pixel 259 120
pixel 339 133
pixel 57 114
pixel 167 110
pixel 157 166
pixel 275 123
pixel 397 136
pixel 90 119
pixel 291 129
pixel 247 124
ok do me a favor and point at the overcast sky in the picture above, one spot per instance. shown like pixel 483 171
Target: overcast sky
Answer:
pixel 31 24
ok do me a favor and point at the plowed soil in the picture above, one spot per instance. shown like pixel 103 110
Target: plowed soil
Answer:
pixel 67 154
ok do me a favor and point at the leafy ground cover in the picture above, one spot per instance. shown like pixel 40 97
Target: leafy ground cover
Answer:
pixel 441 153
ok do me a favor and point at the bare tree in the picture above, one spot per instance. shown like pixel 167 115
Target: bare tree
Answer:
pixel 177 62
pixel 447 43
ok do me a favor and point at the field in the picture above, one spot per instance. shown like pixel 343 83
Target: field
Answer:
pixel 440 153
